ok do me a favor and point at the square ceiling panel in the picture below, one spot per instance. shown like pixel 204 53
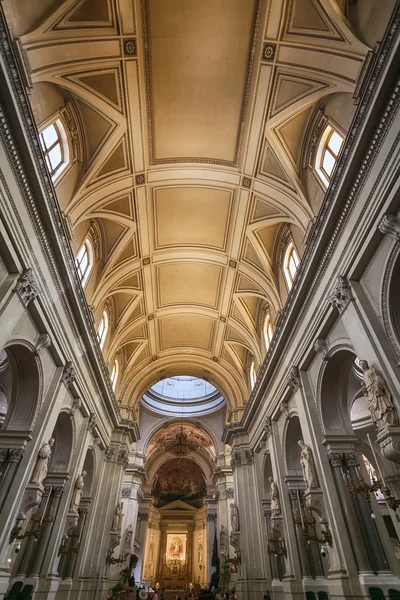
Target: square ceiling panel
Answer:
pixel 188 283
pixel 192 216
pixel 198 74
pixel 191 331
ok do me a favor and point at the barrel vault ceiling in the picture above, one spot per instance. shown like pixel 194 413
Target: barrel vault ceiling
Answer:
pixel 193 116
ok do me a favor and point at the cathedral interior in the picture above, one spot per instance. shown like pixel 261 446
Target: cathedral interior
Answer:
pixel 199 299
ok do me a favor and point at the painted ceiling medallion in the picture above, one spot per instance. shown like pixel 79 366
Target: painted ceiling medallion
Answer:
pixel 181 445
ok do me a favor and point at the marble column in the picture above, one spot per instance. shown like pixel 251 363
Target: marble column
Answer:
pixel 13 458
pixel 372 536
pixel 76 539
pixel 299 526
pixel 32 542
pixel 350 516
pixel 44 538
pixel 253 572
pixel 141 531
pixel 211 533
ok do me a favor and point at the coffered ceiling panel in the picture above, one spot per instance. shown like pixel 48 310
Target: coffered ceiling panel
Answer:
pixel 192 216
pixel 185 252
pixel 191 331
pixel 188 283
pixel 197 69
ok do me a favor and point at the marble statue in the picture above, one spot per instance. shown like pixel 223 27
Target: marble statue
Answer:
pixel 78 491
pixel 222 540
pixel 128 537
pixel 200 559
pixel 40 471
pixel 275 504
pixel 380 404
pixel 307 464
pixel 116 524
pixel 234 517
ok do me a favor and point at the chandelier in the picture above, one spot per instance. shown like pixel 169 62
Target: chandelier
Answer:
pixel 181 445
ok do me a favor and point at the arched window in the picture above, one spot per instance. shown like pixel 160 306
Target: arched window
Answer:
pixel 102 329
pixel 84 261
pixel 114 374
pixel 253 374
pixel 328 152
pixel 290 264
pixel 268 331
pixel 54 142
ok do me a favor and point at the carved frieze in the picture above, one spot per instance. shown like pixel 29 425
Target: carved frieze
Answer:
pixel 293 379
pixel 26 287
pixel 69 374
pixel 341 294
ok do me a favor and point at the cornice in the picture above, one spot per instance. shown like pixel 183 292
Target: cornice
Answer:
pixel 377 107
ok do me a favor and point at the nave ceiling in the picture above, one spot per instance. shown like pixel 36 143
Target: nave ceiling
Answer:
pixel 188 122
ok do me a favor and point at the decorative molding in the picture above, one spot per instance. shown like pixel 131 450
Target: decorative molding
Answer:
pixel 293 380
pixel 43 341
pixel 387 302
pixel 26 287
pixel 267 426
pixel 92 423
pixel 390 225
pixel 69 374
pixel 284 408
pixel 236 460
pixel 229 493
pixel 126 492
pixel 268 52
pixel 246 182
pixel 341 294
pixel 321 347
pixel 130 47
pixel 140 179
pixel 110 453
pixel 76 404
pixel 123 458
pixel 249 455
pixel 211 517
pixel 15 454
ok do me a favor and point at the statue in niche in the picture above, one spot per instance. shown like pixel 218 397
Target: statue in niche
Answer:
pixel 117 520
pixel 128 537
pixel 307 465
pixel 200 554
pixel 234 516
pixel 78 491
pixel 275 504
pixel 151 553
pixel 40 471
pixel 380 404
pixel 222 540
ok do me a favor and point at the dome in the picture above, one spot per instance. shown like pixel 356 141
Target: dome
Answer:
pixel 183 395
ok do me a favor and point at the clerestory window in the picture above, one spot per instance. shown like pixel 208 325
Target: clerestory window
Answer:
pixel 84 261
pixel 114 374
pixel 268 331
pixel 329 149
pixel 54 142
pixel 102 329
pixel 253 374
pixel 291 263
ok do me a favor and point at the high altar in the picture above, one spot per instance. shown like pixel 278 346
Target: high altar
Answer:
pixel 175 549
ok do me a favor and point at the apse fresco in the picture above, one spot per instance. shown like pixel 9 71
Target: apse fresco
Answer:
pixel 179 479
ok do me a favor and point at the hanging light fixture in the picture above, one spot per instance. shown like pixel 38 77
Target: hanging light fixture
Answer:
pixel 181 445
